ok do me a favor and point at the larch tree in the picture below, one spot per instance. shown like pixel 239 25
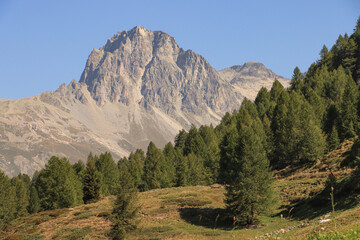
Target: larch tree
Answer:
pixel 124 214
pixel 7 200
pixel 249 192
pixel 156 174
pixel 109 173
pixel 91 182
pixel 58 185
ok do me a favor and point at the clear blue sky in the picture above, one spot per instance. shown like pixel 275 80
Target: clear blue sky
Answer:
pixel 46 43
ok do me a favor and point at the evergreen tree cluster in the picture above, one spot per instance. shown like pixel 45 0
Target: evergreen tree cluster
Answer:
pixel 59 185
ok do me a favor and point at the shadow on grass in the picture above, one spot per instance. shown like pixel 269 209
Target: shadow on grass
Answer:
pixel 206 217
pixel 346 197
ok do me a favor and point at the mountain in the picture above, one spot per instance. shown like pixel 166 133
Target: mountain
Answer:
pixel 140 86
pixel 247 79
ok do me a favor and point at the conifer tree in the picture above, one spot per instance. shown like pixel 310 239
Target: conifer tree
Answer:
pixel 212 154
pixel 276 90
pixel 124 214
pixel 196 173
pixel 249 191
pixel 91 182
pixel 333 139
pixel 21 197
pixel 135 166
pixel 296 81
pixel 312 143
pixel 34 202
pixel 109 173
pixel 58 186
pixel 171 161
pixel 180 139
pixel 181 170
pixel 156 174
pixel 348 121
pixel 263 102
pixel 194 143
pixel 281 128
pixel 79 168
pixel 228 155
pixel 356 37
pixel 7 200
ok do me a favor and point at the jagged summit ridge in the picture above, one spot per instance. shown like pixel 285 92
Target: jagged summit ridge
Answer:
pixel 149 68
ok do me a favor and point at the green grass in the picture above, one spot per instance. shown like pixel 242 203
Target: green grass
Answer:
pixel 350 234
pixel 72 233
pixel 83 214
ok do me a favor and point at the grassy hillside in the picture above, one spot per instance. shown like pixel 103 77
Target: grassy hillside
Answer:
pixel 193 212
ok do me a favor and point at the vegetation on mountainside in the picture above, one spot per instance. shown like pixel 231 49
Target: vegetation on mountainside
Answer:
pixel 283 129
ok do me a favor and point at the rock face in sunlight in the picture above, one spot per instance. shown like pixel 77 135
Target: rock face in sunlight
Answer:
pixel 140 86
pixel 247 79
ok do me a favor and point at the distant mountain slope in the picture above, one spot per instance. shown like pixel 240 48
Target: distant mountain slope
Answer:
pixel 140 86
pixel 247 79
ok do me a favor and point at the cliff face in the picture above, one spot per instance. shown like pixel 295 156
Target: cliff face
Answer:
pixel 149 68
pixel 140 86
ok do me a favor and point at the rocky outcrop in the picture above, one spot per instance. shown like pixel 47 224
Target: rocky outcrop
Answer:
pixel 146 67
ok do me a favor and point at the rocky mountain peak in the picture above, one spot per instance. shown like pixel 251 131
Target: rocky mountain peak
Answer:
pixel 139 87
pixel 148 68
pixel 250 77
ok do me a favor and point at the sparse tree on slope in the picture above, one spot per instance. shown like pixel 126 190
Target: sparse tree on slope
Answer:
pixel 125 207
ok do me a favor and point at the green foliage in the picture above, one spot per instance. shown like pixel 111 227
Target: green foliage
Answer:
pixel 21 196
pixel 346 235
pixel 348 120
pixel 79 168
pixel 7 200
pixel 212 153
pixel 276 90
pixel 195 172
pixel 297 137
pixel 156 174
pixel 124 214
pixel 58 185
pixel 180 139
pixel 109 173
pixel 246 169
pixel 91 182
pixel 194 143
pixel 135 166
pixel 171 158
pixel 263 103
pixel 333 139
pixel 296 80
pixel 34 202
